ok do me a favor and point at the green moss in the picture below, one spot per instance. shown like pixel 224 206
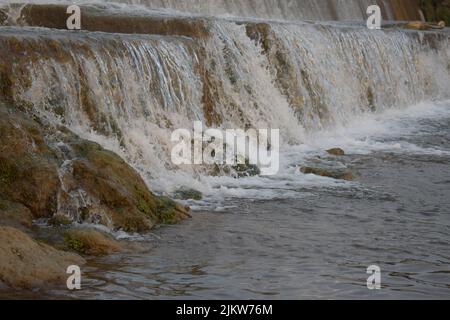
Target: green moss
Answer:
pixel 167 211
pixel 84 148
pixel 8 172
pixel 428 9
pixel 371 99
pixel 90 242
pixel 187 194
pixel 3 17
pixel 74 244
pixel 60 220
pixel 143 204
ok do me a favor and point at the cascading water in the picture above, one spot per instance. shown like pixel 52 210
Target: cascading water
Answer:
pixel 130 92
pixel 287 9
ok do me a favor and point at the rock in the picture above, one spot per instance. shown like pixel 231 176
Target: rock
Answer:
pixel 25 263
pixel 336 152
pixel 246 170
pixel 339 174
pixel 119 190
pixel 419 25
pixel 91 242
pixel 187 194
pixel 436 10
pixel 170 212
pixel 60 219
pixel 99 187
pixel 15 215
pixel 28 174
pixel 3 17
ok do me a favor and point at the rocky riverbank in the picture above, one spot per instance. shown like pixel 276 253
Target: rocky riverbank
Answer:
pixel 52 175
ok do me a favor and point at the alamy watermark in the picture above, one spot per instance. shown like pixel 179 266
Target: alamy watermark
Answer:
pixel 374 20
pixel 227 147
pixel 74 280
pixel 374 280
pixel 73 22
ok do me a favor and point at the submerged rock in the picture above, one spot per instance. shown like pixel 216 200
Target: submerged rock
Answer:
pixel 336 152
pixel 26 263
pixel 420 25
pixel 3 17
pixel 246 170
pixel 91 242
pixel 335 173
pixel 187 194
pixel 60 219
pixel 51 171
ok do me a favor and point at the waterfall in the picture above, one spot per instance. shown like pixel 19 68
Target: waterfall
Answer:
pixel 317 10
pixel 129 92
pixel 290 9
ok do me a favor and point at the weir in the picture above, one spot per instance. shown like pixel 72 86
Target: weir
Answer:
pixel 145 75
pixel 291 9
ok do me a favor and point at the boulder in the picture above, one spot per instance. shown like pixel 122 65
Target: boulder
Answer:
pixel 334 173
pixel 3 17
pixel 187 194
pixel 26 263
pixel 420 25
pixel 15 215
pixel 336 152
pixel 91 242
pixel 28 170
pixel 54 173
pixel 436 10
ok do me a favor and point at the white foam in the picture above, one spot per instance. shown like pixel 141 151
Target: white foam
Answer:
pixel 362 136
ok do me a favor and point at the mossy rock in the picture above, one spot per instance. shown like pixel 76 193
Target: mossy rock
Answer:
pixel 28 171
pixel 29 175
pixel 60 220
pixel 436 10
pixel 120 188
pixel 187 194
pixel 170 212
pixel 246 170
pixel 15 215
pixel 336 152
pixel 339 174
pixel 26 263
pixel 91 242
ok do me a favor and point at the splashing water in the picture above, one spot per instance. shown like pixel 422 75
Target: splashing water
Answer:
pixel 129 92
